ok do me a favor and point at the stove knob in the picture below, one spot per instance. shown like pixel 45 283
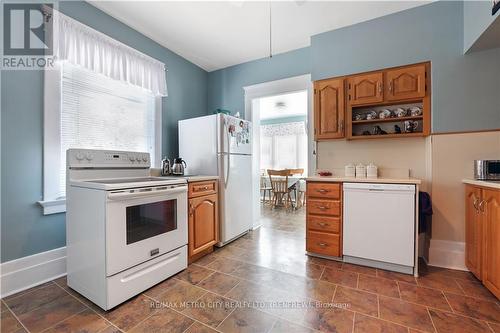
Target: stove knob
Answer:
pixel 145 158
pixel 132 158
pixel 79 156
pixel 89 156
pixel 138 158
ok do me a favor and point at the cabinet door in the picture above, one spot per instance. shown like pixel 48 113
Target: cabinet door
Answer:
pixel 329 109
pixel 490 209
pixel 405 83
pixel 473 230
pixel 203 223
pixel 365 89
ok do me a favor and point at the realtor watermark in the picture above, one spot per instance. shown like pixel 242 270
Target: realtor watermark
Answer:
pixel 28 41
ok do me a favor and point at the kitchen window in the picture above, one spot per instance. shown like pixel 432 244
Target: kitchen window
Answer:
pixel 95 112
pixel 101 94
pixel 283 146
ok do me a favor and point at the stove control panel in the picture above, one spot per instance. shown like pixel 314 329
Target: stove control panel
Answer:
pixel 89 158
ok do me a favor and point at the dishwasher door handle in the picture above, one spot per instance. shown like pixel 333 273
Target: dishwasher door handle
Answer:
pixel 376 190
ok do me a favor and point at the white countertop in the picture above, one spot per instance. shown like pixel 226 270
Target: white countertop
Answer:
pixel 483 183
pixel 364 180
pixel 196 178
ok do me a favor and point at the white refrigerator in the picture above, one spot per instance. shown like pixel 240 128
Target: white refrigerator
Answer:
pixel 222 145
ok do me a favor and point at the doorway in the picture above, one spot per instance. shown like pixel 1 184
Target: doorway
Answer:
pixel 281 115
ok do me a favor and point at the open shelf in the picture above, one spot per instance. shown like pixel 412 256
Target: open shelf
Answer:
pixel 387 136
pixel 386 120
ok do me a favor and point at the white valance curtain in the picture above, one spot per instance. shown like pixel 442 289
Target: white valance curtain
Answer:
pixel 294 128
pixel 91 49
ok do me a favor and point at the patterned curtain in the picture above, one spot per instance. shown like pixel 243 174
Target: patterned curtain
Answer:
pixel 295 128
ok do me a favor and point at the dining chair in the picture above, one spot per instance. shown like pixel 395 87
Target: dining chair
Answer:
pixel 298 188
pixel 265 189
pixel 279 186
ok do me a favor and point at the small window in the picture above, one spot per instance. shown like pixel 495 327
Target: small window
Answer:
pixel 88 110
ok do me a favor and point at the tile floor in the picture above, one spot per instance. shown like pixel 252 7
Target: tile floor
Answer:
pixel 264 282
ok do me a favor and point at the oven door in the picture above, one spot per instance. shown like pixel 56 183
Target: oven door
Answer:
pixel 144 223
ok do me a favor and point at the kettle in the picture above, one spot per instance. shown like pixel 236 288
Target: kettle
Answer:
pixel 178 166
pixel 166 167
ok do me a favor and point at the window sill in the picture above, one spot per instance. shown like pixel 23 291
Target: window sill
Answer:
pixel 53 206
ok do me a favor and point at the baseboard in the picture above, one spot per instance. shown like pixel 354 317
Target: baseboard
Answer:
pixel 447 254
pixel 23 273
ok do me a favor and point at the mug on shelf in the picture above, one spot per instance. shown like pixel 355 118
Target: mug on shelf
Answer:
pixel 410 126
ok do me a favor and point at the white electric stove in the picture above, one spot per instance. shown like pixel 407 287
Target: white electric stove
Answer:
pixel 125 231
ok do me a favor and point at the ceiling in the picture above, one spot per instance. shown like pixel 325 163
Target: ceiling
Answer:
pixel 218 34
pixel 285 105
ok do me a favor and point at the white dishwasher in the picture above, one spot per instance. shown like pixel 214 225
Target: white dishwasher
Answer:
pixel 379 225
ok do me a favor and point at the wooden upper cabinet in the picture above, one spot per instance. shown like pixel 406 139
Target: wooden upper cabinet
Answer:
pixel 203 223
pixel 329 109
pixel 405 83
pixel 365 88
pixel 473 230
pixel 490 208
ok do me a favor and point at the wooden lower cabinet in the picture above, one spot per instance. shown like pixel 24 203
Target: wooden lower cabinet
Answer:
pixel 203 219
pixel 491 240
pixel 482 235
pixel 324 219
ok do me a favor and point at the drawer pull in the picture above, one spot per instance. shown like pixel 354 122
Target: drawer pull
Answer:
pixel 322 207
pixel 322 224
pixel 322 244
pixel 205 188
pixel 323 191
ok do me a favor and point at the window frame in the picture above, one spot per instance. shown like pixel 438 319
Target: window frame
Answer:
pixel 52 204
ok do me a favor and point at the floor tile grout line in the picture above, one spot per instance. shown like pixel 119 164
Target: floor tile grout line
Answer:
pixel 41 305
pixel 26 292
pixel 206 278
pixel 378 306
pixel 181 313
pixel 63 320
pixel 87 306
pixel 432 321
pixel 187 329
pixel 353 322
pixel 490 327
pixel 16 317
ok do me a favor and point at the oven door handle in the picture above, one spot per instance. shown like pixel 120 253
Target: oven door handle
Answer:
pixel 124 195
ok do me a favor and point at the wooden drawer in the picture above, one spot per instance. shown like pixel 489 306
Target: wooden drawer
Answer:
pixel 197 189
pixel 323 243
pixel 323 207
pixel 323 223
pixel 324 190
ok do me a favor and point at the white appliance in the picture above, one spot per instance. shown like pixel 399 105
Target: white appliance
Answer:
pixel 125 231
pixel 379 225
pixel 222 145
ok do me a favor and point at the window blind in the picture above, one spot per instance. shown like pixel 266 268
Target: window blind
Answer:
pixel 101 113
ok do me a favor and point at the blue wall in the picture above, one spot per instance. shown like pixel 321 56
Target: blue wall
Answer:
pixel 24 230
pixel 465 88
pixel 477 18
pixel 225 86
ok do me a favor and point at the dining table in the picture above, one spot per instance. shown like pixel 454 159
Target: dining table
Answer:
pixel 293 184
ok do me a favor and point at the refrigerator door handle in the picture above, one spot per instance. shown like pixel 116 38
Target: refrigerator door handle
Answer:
pixel 226 128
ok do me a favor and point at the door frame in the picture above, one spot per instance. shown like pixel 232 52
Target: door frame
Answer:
pixel 272 88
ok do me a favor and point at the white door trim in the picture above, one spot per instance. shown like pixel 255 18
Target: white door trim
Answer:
pixel 278 87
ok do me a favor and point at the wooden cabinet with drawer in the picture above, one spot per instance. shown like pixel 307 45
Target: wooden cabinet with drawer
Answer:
pixel 324 219
pixel 203 218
